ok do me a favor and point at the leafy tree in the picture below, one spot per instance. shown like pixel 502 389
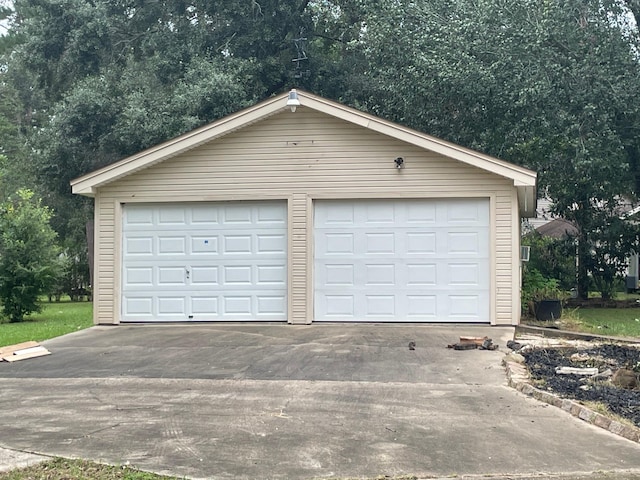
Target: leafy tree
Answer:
pixel 552 258
pixel 28 254
pixel 606 261
pixel 13 140
pixel 98 80
pixel 548 85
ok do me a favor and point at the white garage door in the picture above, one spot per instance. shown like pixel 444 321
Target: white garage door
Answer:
pixel 402 260
pixel 204 262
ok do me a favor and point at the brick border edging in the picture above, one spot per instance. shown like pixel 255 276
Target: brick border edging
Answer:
pixel 518 378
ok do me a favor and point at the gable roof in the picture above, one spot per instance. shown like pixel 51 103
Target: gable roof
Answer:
pixel 558 228
pixel 523 179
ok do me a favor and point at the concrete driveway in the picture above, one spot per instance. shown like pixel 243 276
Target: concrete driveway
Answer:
pixel 293 402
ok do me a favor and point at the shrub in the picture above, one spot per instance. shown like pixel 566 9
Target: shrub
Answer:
pixel 552 258
pixel 28 254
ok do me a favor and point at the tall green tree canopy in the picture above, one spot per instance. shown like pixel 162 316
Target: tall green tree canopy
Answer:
pixel 119 76
pixel 97 80
pixel 549 85
pixel 546 84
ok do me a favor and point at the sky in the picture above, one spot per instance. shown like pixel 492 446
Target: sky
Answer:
pixel 3 23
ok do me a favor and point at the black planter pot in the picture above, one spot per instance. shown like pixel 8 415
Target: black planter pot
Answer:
pixel 548 309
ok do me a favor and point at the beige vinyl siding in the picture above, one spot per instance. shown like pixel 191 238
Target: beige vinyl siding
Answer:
pixel 504 255
pixel 300 157
pixel 297 260
pixel 104 261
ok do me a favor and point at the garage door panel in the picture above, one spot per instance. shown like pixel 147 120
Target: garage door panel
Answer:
pixel 270 244
pixel 420 243
pixel 379 213
pixel 205 275
pixel 172 276
pixel 402 260
pixel 205 245
pixel 421 307
pixel 271 275
pixel 271 215
pixel 466 212
pixel 139 245
pixel 337 307
pixel 383 306
pixel 138 218
pixel 237 305
pixel 204 305
pixel 139 276
pixel 421 275
pixel 379 274
pixel 209 261
pixel 237 244
pixel 172 216
pixel 233 305
pixel 421 214
pixel 204 216
pixel 338 214
pixel 170 305
pixel 337 244
pixel 379 243
pixel 463 243
pixel 135 307
pixel 465 272
pixel 237 214
pixel 336 274
pixel 270 304
pixel 172 245
pixel 237 275
pixel 464 307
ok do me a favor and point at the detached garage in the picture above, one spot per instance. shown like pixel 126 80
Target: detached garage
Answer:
pixel 314 213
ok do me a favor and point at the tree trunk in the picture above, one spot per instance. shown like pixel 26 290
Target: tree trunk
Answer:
pixel 634 6
pixel 90 239
pixel 582 251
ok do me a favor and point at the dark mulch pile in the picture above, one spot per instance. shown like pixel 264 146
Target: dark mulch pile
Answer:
pixel 542 365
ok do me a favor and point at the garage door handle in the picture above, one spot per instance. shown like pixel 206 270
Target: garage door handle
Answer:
pixel 188 273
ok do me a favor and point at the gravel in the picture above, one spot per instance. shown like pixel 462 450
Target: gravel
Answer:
pixel 542 365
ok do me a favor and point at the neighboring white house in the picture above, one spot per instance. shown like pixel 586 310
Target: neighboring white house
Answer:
pixel 321 214
pixel 542 217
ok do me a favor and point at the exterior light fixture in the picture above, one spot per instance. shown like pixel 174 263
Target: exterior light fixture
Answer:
pixel 399 162
pixel 293 101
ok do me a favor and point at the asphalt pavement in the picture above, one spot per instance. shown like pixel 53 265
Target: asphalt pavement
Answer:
pixel 225 401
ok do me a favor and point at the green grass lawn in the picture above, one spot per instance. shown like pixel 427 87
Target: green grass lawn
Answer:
pixel 56 318
pixel 63 469
pixel 620 322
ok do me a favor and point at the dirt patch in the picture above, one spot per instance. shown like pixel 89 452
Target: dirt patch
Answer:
pixel 600 303
pixel 543 365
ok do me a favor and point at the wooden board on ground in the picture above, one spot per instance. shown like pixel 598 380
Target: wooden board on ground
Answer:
pixel 22 351
pixel 24 356
pixel 472 340
pixel 18 346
